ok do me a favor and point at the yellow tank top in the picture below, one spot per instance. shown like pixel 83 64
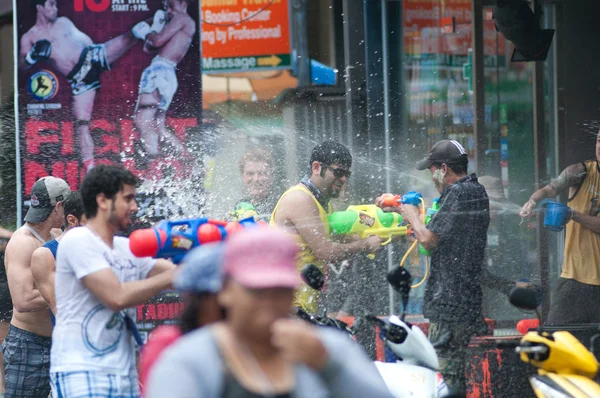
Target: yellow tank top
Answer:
pixel 582 246
pixel 306 297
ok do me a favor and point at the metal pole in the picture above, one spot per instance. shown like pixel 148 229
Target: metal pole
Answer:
pixel 478 86
pixel 301 40
pixel 17 125
pixel 541 174
pixel 386 124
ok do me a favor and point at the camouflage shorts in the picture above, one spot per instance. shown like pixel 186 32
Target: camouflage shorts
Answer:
pixel 452 354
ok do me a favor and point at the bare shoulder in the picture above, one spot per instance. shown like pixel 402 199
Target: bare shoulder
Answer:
pixel 41 258
pixel 190 24
pixel 295 197
pixel 187 23
pixel 297 204
pixel 21 246
pixel 64 22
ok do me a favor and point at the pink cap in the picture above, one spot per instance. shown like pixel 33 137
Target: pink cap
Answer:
pixel 261 258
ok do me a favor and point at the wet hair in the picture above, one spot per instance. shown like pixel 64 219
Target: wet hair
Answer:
pixel 103 179
pixel 256 155
pixel 73 206
pixel 331 152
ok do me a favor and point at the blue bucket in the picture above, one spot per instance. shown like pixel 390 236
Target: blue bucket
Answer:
pixel 556 215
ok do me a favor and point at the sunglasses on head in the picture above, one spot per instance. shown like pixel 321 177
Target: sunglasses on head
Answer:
pixel 338 173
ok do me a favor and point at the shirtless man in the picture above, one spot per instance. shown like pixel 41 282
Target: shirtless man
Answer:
pixel 73 54
pixel 158 83
pixel 43 261
pixel 303 211
pixel 26 348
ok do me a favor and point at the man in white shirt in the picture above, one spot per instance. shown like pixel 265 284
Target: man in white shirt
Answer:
pixel 97 280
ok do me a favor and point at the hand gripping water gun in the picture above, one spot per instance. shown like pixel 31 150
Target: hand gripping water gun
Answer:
pixel 415 199
pixel 173 239
pixel 366 220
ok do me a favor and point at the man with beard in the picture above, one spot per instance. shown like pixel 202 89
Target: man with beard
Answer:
pixel 303 211
pixel 93 351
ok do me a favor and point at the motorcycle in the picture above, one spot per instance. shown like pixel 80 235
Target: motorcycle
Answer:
pixel 415 371
pixel 565 367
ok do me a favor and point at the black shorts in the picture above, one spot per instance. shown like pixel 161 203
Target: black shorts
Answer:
pixel 574 303
pixel 85 76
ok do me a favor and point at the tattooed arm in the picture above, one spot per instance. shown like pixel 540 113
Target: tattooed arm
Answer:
pixel 572 176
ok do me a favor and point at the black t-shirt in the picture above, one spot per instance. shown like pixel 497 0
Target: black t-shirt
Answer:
pixel 453 291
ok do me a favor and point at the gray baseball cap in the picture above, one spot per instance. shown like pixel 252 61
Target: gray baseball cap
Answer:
pixel 45 194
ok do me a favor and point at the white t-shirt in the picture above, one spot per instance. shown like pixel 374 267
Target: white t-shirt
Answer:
pixel 88 336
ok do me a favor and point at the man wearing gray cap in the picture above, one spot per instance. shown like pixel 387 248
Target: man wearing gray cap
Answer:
pixel 456 237
pixel 26 348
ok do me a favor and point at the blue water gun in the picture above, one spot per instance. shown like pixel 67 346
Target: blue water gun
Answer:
pixel 173 239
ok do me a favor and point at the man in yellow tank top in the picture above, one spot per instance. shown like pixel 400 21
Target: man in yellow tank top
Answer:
pixel 577 294
pixel 303 212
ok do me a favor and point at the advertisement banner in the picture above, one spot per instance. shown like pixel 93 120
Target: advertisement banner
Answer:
pixel 111 82
pixel 245 35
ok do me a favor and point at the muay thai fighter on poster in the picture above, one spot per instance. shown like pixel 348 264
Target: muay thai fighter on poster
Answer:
pixel 107 81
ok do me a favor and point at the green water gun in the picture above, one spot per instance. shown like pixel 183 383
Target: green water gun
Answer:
pixel 367 220
pixel 435 206
pixel 243 210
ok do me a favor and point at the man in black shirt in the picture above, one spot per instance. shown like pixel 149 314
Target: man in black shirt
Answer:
pixel 456 237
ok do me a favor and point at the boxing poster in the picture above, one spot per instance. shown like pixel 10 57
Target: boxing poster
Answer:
pixel 105 82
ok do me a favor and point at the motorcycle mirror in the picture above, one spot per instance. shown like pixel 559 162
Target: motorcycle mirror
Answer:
pixel 313 277
pixel 400 279
pixel 523 298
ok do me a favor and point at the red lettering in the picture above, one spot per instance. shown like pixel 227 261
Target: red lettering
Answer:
pixel 102 124
pixel 58 170
pixel 71 174
pixel 67 138
pixel 180 126
pixel 150 312
pixel 162 311
pixel 100 6
pixel 33 172
pixel 35 139
pixel 111 144
pixel 173 310
pixel 128 134
pixel 129 164
pixel 140 312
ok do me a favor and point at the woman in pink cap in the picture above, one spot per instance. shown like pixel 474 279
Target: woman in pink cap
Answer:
pixel 258 351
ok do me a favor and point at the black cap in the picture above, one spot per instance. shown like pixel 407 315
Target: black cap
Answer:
pixel 445 151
